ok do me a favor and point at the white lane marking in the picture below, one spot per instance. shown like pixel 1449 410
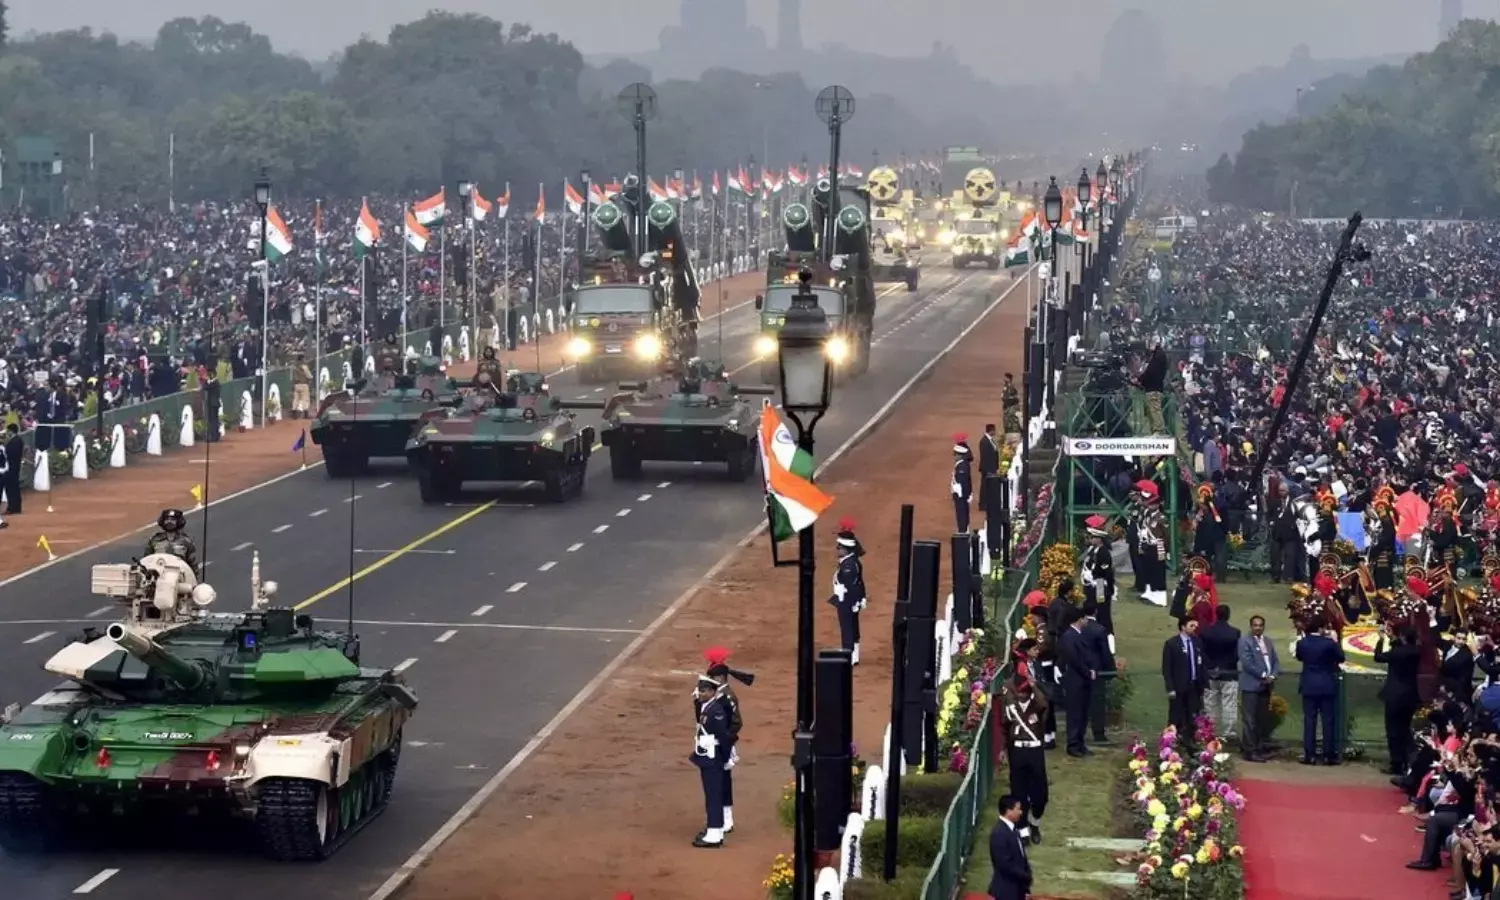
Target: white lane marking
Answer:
pixel 597 390
pixel 41 637
pixel 515 588
pixel 405 664
pixel 207 563
pixel 623 513
pixel 497 626
pixel 100 611
pixel 383 485
pixel 546 566
pixel 89 886
pixel 643 498
pixel 354 498
pixel 601 529
pixel 419 857
pixel 446 636
pixel 575 547
pixel 482 610
pixel 279 529
pixel 697 462
pixel 317 512
pixel 241 546
pixel 665 484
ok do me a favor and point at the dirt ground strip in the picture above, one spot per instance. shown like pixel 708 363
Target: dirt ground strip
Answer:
pixel 610 802
pixel 115 502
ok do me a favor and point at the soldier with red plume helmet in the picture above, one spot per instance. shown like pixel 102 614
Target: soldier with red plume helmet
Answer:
pixel 717 711
pixel 962 484
pixel 849 596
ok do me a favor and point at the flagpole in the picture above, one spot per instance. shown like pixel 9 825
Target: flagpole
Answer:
pixel 405 242
pixel 265 320
pixel 317 305
pixel 473 230
pixel 364 301
pixel 443 270
pixel 536 260
pixel 172 172
pixel 506 264
pixel 562 261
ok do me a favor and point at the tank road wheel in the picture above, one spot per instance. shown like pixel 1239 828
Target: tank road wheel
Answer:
pixel 438 484
pixel 297 819
pixel 386 767
pixel 742 464
pixel 624 464
pixel 29 823
pixel 336 461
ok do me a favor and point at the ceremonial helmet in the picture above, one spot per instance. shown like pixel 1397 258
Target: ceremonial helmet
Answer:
pixel 1148 490
pixel 1326 499
pixel 171 520
pixel 1096 526
pixel 846 540
pixel 1205 492
pixel 718 671
pixel 961 444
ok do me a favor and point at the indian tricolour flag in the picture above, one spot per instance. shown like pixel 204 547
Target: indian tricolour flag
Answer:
pixel 416 234
pixel 737 181
pixel 793 502
pixel 502 203
pixel 432 210
pixel 366 231
pixel 1018 253
pixel 482 207
pixel 278 236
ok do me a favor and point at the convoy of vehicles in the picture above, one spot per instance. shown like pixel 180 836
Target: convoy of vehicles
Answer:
pixel 373 419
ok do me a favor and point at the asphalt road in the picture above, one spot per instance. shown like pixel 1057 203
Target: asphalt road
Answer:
pixel 501 611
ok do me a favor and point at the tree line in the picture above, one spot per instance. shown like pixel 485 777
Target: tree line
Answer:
pixel 443 98
pixel 1422 139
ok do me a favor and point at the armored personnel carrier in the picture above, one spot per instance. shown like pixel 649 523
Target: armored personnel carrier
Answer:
pixel 375 418
pixel 176 709
pixel 700 417
pixel 978 235
pixel 521 434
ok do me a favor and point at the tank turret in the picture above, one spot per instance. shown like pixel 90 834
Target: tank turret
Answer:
pixel 159 590
pixel 188 675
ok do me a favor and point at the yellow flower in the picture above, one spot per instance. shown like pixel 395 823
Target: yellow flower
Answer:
pixel 1179 870
pixel 1195 812
pixel 1179 823
pixel 1161 822
pixel 1202 856
pixel 1156 809
pixel 1236 851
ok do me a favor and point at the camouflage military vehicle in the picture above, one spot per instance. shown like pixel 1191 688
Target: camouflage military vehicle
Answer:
pixel 522 434
pixel 178 710
pixel 700 417
pixel 375 418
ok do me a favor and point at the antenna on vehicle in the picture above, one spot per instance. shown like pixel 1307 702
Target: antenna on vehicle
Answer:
pixel 207 435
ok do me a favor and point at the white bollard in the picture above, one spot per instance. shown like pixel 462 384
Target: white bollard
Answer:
pixel 524 330
pixel 247 411
pixel 348 373
pixel 41 478
pixel 222 420
pixel 944 656
pixel 117 447
pixel 185 436
pixel 427 348
pixel 369 364
pixel 886 757
pixel 411 352
pixel 80 457
pixel 551 323
pixel 273 403
pixel 447 347
pixel 851 862
pixel 153 435
pixel 828 886
pixel 325 384
pixel 872 794
pixel 465 346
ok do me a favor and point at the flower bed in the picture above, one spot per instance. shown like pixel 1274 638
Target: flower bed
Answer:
pixel 1041 511
pixel 964 697
pixel 1187 812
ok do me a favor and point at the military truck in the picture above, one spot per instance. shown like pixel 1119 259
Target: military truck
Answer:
pixel 373 418
pixel 175 709
pixel 979 234
pixel 522 434
pixel 841 283
pixel 630 314
pixel 700 416
pixel 892 260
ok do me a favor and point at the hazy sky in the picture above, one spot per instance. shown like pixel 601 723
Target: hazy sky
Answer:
pixel 1002 39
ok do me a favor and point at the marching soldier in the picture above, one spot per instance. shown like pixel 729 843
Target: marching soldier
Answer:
pixel 719 671
pixel 1443 572
pixel 1098 574
pixel 849 596
pixel 1209 536
pixel 1024 717
pixel 1325 532
pixel 301 386
pixel 962 484
pixel 172 538
pixel 713 749
pixel 1151 538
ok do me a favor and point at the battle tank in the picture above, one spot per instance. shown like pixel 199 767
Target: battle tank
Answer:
pixel 839 279
pixel 375 418
pixel 634 313
pixel 978 236
pixel 700 416
pixel 892 260
pixel 521 434
pixel 174 709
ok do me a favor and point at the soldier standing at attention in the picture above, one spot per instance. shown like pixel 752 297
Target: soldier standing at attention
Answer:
pixel 719 671
pixel 849 596
pixel 1025 713
pixel 301 390
pixel 962 485
pixel 1098 574
pixel 713 752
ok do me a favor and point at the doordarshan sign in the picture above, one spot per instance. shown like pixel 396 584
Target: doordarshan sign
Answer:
pixel 1163 445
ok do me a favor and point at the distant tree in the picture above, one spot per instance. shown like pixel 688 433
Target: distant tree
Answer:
pixel 4 28
pixel 1221 180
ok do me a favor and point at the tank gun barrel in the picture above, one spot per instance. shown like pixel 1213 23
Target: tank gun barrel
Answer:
pixel 183 673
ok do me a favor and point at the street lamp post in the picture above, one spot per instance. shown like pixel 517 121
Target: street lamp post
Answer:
pixel 587 181
pixel 806 392
pixel 1052 211
pixel 466 196
pixel 263 203
pixel 1085 195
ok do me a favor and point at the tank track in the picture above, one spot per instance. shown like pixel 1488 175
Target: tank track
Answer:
pixel 286 817
pixel 29 822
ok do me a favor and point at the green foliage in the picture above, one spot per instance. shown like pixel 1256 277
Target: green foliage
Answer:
pixel 907 886
pixel 917 844
pixel 445 97
pixel 4 28
pixel 1407 141
pixel 929 795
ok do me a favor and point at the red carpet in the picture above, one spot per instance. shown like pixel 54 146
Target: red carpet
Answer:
pixel 1330 843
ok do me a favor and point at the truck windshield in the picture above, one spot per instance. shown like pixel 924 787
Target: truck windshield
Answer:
pixel 612 298
pixel 779 299
pixel 974 226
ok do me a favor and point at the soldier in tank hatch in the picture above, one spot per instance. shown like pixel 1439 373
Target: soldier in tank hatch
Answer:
pixel 962 484
pixel 172 538
pixel 849 596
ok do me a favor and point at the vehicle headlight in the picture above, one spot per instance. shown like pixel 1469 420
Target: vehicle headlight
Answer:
pixel 837 349
pixel 648 346
pixel 898 235
pixel 580 347
pixel 946 237
pixel 765 345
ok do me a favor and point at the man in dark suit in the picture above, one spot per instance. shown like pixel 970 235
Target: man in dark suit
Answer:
pixel 15 451
pixel 1321 657
pixel 989 460
pixel 1456 671
pixel 1080 668
pixel 1259 666
pixel 1011 878
pixel 1185 672
pixel 1399 691
pixel 1098 639
pixel 1221 649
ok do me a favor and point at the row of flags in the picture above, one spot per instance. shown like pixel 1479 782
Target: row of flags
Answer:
pixel 421 216
pixel 1033 237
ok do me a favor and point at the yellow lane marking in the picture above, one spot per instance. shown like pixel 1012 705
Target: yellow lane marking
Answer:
pixel 389 558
